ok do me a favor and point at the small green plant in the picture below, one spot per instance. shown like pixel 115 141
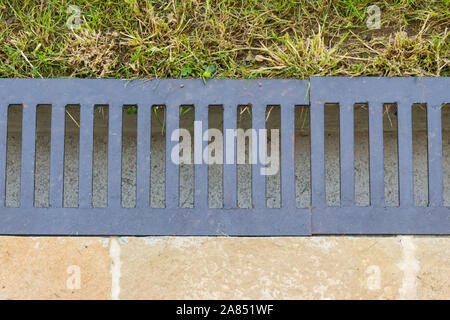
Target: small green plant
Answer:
pixel 132 110
pixel 208 71
pixel 186 71
pixel 161 123
pixel 185 109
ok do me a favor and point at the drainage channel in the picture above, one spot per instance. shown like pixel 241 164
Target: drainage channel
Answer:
pixel 328 155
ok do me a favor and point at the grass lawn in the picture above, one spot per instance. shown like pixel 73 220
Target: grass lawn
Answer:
pixel 222 39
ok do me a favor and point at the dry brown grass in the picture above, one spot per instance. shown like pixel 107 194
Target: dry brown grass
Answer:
pixel 224 39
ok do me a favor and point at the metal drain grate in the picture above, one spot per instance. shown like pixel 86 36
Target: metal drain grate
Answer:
pixel 377 218
pixel 228 220
pixel 144 220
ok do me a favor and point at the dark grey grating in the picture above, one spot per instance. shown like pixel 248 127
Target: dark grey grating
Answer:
pixel 377 218
pixel 229 220
pixel 144 220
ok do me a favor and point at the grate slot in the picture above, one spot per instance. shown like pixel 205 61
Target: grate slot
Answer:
pixel 446 153
pixel 14 155
pixel 361 154
pixel 376 154
pixel 390 142
pixel 42 160
pixel 273 160
pixel 71 156
pixel 347 158
pixel 287 156
pixel 129 156
pixel 100 156
pixel 318 195
pixel 201 167
pixel 229 171
pixel 435 181
pixel 215 168
pixel 332 155
pixel 245 138
pixel 302 156
pixel 186 167
pixel 114 156
pixel 157 156
pixel 420 154
pixel 172 169
pixel 3 135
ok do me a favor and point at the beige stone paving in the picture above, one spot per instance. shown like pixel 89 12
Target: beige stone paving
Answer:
pixel 255 268
pixel 49 268
pixel 225 268
pixel 434 273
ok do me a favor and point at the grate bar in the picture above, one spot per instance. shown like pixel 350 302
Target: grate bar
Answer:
pixel 28 156
pixel 435 183
pixel 379 220
pixel 143 156
pixel 3 137
pixel 405 155
pixel 159 221
pixel 57 155
pixel 376 155
pixel 114 156
pixel 86 154
pixel 347 157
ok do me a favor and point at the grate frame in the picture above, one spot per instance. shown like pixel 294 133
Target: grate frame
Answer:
pixel 229 220
pixel 378 218
pixel 144 220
